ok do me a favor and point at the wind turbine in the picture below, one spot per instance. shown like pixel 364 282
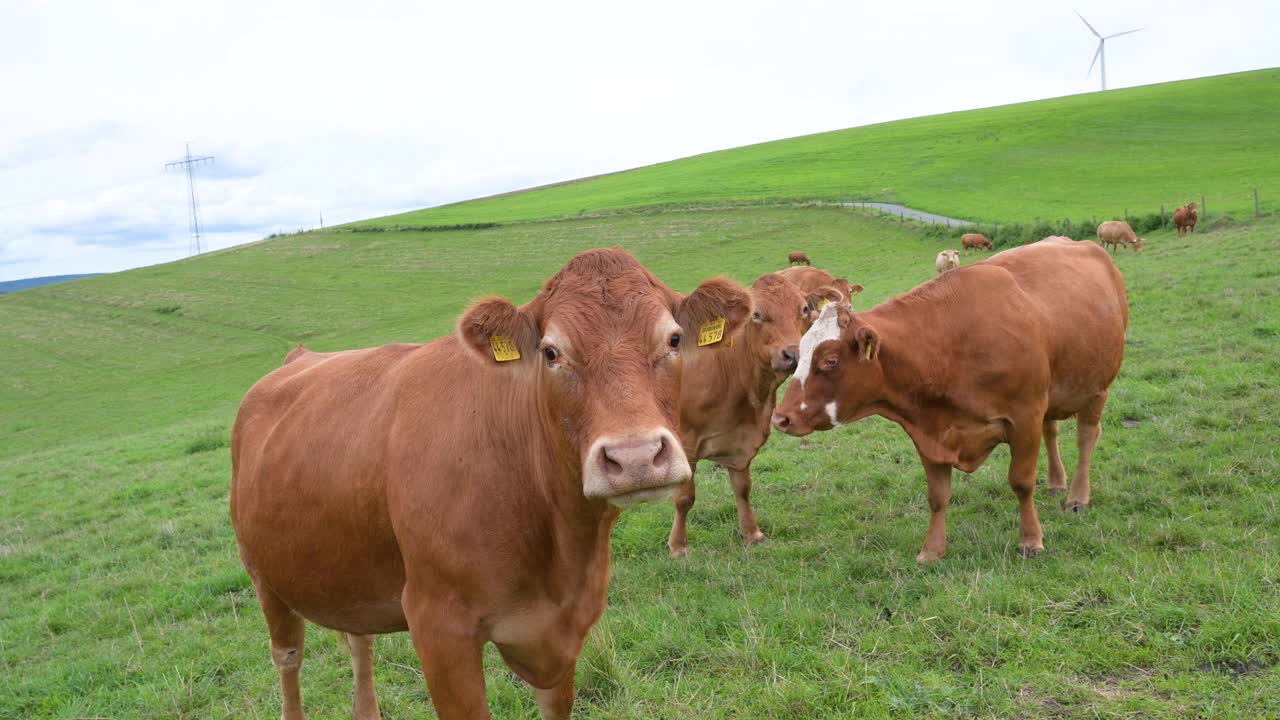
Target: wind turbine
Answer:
pixel 1102 48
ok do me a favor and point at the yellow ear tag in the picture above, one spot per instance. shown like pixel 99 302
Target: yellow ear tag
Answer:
pixel 870 347
pixel 503 348
pixel 712 331
pixel 728 341
pixel 857 292
pixel 823 303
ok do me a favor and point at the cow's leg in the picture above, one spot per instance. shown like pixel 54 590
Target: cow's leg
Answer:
pixel 1057 473
pixel 288 632
pixel 1088 430
pixel 451 653
pixel 364 703
pixel 682 497
pixel 1024 449
pixel 747 527
pixel 938 476
pixel 556 703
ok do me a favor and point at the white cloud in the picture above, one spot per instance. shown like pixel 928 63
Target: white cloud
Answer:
pixel 356 111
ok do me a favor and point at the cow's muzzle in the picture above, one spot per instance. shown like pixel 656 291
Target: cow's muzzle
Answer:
pixel 636 468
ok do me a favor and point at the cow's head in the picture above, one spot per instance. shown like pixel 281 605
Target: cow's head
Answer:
pixel 1137 245
pixel 601 348
pixel 837 376
pixel 781 313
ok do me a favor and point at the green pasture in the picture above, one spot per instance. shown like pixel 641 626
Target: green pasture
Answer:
pixel 121 594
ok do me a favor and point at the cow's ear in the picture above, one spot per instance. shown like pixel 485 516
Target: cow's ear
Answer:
pixel 866 343
pixel 854 289
pixel 823 295
pixel 498 331
pixel 713 300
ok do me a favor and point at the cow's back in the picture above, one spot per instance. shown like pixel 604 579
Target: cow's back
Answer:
pixel 1080 301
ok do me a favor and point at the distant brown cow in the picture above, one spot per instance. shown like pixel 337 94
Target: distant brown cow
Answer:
pixel 809 279
pixel 1184 218
pixel 975 241
pixel 729 394
pixel 1116 233
pixel 798 257
pixel 465 489
pixel 947 260
pixel 1038 337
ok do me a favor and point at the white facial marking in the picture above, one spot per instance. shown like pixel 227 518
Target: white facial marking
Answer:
pixel 803 406
pixel 824 328
pixel 831 411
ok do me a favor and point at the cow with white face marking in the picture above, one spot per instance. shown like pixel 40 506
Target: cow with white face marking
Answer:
pixel 995 352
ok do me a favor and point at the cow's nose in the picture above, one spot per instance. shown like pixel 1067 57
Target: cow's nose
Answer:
pixel 636 462
pixel 785 360
pixel 643 453
pixel 781 421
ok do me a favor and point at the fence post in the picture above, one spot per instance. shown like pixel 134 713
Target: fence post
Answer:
pixel 1257 206
pixel 1126 214
pixel 1204 209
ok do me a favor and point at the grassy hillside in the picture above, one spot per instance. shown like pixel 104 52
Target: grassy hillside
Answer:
pixel 121 594
pixel 1078 156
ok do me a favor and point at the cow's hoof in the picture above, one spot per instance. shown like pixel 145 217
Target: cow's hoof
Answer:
pixel 928 556
pixel 1075 506
pixel 1030 551
pixel 753 538
pixel 680 552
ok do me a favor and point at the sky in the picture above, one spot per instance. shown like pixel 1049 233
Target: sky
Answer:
pixel 355 110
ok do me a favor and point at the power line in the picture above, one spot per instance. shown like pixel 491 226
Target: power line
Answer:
pixel 186 164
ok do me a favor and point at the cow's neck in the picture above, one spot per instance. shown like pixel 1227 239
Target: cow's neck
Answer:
pixel 912 390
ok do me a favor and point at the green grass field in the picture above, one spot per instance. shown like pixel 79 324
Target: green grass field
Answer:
pixel 121 594
pixel 1073 157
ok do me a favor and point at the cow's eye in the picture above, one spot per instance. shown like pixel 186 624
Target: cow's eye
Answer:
pixel 674 341
pixel 804 310
pixel 755 317
pixel 551 354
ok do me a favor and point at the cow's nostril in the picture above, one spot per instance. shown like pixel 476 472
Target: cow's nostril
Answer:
pixel 789 356
pixel 663 456
pixel 782 422
pixel 611 466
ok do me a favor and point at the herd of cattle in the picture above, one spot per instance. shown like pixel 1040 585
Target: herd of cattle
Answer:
pixel 465 489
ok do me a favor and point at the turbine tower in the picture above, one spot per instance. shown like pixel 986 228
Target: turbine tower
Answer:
pixel 1102 48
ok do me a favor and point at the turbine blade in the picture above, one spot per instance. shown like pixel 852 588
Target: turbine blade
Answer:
pixel 1095 59
pixel 1126 32
pixel 1086 23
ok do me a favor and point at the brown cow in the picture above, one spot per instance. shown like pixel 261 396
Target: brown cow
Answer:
pixel 975 241
pixel 1184 218
pixel 465 489
pixel 798 257
pixel 809 279
pixel 1116 233
pixel 729 395
pixel 947 260
pixel 994 352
